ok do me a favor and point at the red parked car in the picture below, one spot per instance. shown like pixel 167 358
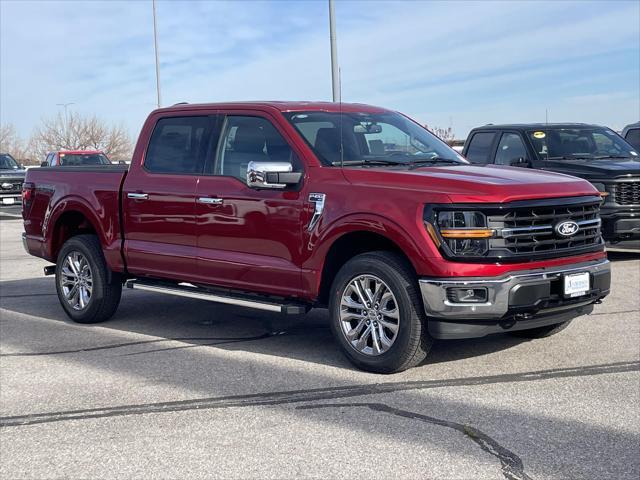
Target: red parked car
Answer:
pixel 287 206
pixel 74 158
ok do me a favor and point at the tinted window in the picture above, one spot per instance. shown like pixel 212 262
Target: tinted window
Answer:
pixel 510 148
pixel 480 147
pixel 250 139
pixel 178 145
pixel 8 163
pixel 633 137
pixel 75 159
pixel 578 143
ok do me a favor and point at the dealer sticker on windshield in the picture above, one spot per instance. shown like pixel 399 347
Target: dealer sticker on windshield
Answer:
pixel 539 134
pixel 577 284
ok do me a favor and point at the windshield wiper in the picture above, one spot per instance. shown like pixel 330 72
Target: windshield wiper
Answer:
pixel 600 157
pixel 375 161
pixel 423 161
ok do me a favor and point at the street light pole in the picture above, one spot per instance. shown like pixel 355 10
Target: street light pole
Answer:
pixel 66 106
pixel 155 45
pixel 335 72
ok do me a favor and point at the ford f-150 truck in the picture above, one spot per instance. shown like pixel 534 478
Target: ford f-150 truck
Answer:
pixel 284 206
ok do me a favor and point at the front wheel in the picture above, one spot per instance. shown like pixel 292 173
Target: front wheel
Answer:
pixel 377 315
pixel 87 290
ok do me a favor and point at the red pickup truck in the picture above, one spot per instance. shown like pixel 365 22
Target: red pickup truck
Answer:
pixel 284 206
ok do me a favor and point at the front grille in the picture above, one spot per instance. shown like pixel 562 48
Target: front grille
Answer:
pixel 10 186
pixel 627 193
pixel 530 231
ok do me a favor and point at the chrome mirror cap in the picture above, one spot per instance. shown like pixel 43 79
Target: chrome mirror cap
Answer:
pixel 271 175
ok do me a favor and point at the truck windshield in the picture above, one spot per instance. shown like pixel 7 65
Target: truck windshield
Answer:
pixel 353 139
pixel 8 163
pixel 579 143
pixel 70 159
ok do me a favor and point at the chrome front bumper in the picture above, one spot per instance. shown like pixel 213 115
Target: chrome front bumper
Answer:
pixel 524 294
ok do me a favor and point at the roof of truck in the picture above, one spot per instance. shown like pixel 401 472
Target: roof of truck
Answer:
pixel 78 152
pixel 535 126
pixel 299 106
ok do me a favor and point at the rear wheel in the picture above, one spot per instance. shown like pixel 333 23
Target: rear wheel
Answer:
pixel 87 290
pixel 377 315
pixel 541 332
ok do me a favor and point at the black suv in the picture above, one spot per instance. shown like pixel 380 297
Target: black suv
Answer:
pixel 11 180
pixel 595 153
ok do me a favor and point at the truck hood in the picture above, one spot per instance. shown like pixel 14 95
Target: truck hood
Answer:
pixel 17 173
pixel 596 169
pixel 473 184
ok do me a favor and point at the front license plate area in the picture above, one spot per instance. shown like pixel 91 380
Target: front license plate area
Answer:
pixel 577 284
pixel 8 201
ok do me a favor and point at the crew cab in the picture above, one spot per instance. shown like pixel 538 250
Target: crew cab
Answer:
pixel 597 154
pixel 11 179
pixel 74 158
pixel 285 206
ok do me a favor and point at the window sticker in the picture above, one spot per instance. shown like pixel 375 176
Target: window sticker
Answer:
pixel 539 134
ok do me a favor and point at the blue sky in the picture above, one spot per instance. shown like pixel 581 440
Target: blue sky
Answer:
pixel 444 63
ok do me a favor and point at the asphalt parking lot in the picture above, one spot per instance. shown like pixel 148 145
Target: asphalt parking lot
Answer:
pixel 176 388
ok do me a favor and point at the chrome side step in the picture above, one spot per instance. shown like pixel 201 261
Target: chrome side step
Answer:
pixel 227 298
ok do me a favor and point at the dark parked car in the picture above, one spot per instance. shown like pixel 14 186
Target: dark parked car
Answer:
pixel 631 134
pixel 75 158
pixel 595 153
pixel 11 180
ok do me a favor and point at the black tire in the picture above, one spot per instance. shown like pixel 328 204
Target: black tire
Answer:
pixel 106 286
pixel 541 332
pixel 412 341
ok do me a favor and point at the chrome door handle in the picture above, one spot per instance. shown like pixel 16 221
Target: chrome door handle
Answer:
pixel 211 201
pixel 138 196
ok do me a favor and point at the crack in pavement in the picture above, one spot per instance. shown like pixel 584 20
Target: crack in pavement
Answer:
pixel 217 341
pixel 311 395
pixel 511 464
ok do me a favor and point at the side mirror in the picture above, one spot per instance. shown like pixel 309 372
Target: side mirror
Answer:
pixel 44 164
pixel 271 175
pixel 520 162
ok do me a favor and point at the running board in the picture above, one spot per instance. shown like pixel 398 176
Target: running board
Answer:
pixel 190 291
pixel 49 270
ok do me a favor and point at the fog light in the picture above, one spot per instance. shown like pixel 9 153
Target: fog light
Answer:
pixel 467 295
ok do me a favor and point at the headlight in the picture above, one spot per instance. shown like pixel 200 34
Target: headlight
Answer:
pixel 465 233
pixel 602 190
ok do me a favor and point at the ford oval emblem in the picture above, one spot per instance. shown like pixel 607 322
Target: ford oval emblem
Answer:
pixel 567 229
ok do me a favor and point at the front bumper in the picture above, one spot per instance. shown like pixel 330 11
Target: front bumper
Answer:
pixel 7 199
pixel 519 300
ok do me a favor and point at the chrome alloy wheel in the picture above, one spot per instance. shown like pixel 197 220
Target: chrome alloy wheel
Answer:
pixel 369 315
pixel 76 281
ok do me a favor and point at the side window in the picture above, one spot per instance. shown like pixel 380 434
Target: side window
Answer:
pixel 250 139
pixel 480 147
pixel 633 137
pixel 510 148
pixel 178 145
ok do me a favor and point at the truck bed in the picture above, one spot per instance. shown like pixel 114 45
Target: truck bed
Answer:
pixel 92 191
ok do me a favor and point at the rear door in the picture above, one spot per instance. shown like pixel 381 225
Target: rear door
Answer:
pixel 159 198
pixel 247 238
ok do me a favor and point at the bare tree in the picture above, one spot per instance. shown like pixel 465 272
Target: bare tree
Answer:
pixel 445 134
pixel 75 132
pixel 11 143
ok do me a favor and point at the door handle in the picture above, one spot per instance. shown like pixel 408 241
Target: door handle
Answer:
pixel 211 201
pixel 138 196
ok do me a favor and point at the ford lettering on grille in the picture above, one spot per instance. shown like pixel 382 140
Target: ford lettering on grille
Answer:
pixel 567 229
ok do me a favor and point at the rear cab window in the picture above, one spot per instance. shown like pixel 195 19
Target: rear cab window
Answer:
pixel 480 147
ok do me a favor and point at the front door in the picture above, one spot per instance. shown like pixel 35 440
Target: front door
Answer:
pixel 159 199
pixel 248 239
